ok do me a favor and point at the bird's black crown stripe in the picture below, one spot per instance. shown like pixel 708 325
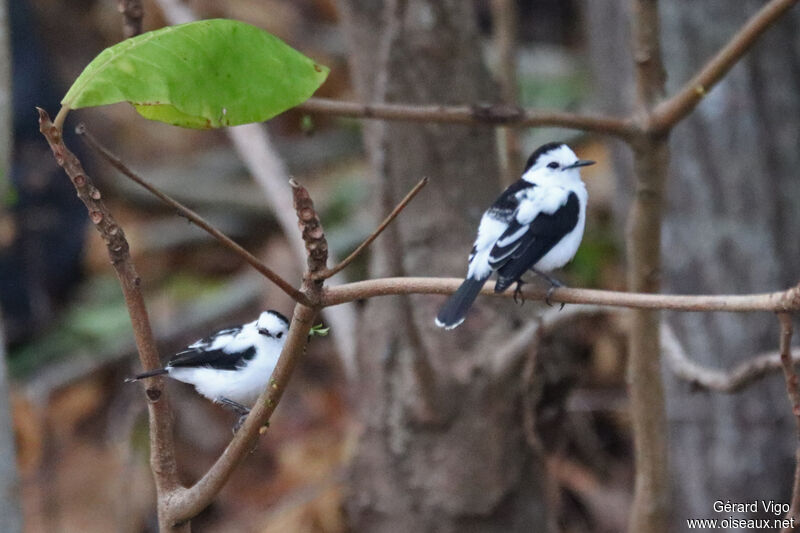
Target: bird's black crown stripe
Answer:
pixel 279 315
pixel 543 149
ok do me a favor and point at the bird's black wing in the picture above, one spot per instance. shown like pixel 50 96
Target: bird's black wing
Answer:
pixel 217 359
pixel 205 342
pixel 519 249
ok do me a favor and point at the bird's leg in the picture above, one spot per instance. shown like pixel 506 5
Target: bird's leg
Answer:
pixel 237 408
pixel 518 298
pixel 554 284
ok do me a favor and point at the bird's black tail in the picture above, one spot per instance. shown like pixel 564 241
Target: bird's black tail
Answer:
pixel 148 374
pixel 455 309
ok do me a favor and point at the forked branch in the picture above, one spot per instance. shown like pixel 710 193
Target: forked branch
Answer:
pixel 330 272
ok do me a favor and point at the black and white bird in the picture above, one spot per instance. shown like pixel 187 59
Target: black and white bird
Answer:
pixel 232 366
pixel 535 224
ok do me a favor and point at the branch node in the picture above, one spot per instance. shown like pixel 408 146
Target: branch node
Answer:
pixel 330 272
pixel 498 113
pixel 153 394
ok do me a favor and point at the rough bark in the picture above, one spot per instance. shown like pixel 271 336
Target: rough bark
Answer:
pixel 731 226
pixel 442 447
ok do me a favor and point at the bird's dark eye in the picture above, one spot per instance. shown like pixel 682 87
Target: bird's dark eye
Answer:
pixel 279 334
pixel 552 165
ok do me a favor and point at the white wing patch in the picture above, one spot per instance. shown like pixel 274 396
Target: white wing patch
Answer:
pixel 489 230
pixel 540 200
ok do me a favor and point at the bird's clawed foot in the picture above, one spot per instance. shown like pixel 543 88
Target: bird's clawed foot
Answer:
pixel 237 408
pixel 554 284
pixel 549 294
pixel 239 423
pixel 519 299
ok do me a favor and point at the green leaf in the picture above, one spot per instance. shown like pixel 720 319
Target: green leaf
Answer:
pixel 204 74
pixel 319 331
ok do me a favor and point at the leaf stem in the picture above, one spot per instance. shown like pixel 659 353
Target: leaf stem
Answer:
pixel 60 117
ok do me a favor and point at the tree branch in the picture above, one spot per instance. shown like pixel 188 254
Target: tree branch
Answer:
pixel 162 458
pixel 199 221
pixel 794 399
pixel 725 381
pixel 329 272
pixel 672 111
pixel 782 301
pixel 497 115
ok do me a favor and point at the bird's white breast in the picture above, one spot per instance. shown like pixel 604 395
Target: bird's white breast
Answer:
pixel 563 252
pixel 243 385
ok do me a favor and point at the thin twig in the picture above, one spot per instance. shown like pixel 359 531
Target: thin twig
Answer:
pixel 496 115
pixel 199 221
pixel 162 450
pixel 726 381
pixel 329 272
pixel 794 399
pixel 132 15
pixel 782 301
pixel 673 110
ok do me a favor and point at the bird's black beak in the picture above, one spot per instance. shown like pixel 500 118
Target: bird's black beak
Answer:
pixel 579 163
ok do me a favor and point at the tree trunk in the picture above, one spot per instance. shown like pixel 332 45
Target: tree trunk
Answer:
pixel 731 227
pixel 442 447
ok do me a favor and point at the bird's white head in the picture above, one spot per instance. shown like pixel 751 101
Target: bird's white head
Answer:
pixel 272 324
pixel 553 163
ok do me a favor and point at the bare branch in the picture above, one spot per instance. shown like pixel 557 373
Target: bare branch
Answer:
pixel 199 221
pixel 327 273
pixel 496 115
pixel 673 110
pixel 794 398
pixel 162 458
pixel 726 381
pixel 782 301
pixel 132 15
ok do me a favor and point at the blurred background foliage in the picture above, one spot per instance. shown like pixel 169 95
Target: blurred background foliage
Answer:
pixel 80 426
